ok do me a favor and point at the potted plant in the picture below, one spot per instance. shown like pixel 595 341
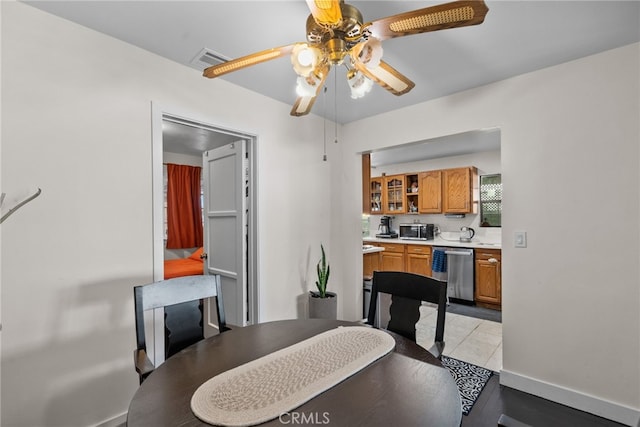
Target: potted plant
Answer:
pixel 323 304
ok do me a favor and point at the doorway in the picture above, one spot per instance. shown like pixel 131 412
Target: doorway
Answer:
pixel 190 137
pixel 473 333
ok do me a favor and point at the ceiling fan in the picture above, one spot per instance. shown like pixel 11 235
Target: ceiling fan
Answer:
pixel 337 35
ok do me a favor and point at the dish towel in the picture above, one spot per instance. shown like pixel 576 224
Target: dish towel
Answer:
pixel 439 263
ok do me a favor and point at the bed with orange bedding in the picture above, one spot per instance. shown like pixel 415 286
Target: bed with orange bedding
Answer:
pixel 190 266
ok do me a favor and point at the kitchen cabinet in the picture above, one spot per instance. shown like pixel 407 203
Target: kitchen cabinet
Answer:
pixel 375 194
pixel 393 256
pixel 460 190
pixel 366 179
pixel 412 185
pixel 488 277
pixel 430 184
pixel 430 192
pixel 371 262
pixel 418 258
pixel 394 199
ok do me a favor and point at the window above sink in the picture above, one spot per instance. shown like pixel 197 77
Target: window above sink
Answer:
pixel 491 200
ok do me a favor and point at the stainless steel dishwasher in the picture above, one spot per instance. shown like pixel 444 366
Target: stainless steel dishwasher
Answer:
pixel 459 275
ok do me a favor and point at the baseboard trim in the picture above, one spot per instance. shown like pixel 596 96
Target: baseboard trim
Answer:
pixel 119 421
pixel 583 402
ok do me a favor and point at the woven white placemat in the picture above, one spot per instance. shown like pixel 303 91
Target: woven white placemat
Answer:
pixel 266 388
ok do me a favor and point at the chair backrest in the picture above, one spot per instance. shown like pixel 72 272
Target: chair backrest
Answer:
pixel 180 298
pixel 408 290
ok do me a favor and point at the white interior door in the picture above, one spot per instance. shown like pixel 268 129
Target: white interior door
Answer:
pixel 225 172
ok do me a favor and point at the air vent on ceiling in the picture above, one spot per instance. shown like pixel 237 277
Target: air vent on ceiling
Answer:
pixel 207 57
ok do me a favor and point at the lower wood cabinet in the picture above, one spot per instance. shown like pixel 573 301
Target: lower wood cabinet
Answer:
pixel 418 259
pixel 398 257
pixel 392 256
pixel 488 277
pixel 371 262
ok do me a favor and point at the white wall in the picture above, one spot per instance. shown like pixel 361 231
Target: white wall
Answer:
pixel 77 122
pixel 570 167
pixel 0 226
pixel 69 260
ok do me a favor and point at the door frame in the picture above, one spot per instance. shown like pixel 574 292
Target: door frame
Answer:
pixel 158 113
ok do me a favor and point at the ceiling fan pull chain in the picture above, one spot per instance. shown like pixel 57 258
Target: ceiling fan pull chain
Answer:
pixel 324 124
pixel 335 103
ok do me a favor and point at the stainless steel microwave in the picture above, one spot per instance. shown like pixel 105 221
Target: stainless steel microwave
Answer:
pixel 416 231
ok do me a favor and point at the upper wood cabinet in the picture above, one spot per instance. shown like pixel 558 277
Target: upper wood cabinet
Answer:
pixel 412 185
pixel 394 190
pixel 460 190
pixel 433 192
pixel 376 195
pixel 366 180
pixel 430 192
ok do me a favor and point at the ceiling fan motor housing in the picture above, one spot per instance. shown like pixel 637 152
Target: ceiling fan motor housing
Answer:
pixel 338 38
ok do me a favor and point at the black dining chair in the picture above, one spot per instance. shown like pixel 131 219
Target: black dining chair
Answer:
pixel 407 291
pixel 182 300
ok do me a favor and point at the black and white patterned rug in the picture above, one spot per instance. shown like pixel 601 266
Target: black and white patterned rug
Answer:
pixel 469 378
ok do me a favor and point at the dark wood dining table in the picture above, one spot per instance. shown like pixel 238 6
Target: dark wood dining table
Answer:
pixel 407 387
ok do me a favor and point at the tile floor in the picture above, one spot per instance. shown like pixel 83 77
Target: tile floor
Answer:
pixel 466 338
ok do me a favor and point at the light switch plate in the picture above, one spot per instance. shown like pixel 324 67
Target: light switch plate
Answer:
pixel 520 239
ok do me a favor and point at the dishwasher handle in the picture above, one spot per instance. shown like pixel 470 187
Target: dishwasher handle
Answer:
pixel 461 252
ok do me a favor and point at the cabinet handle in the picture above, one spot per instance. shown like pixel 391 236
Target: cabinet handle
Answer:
pixel 492 260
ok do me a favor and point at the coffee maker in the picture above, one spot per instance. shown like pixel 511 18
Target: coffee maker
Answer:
pixel 385 228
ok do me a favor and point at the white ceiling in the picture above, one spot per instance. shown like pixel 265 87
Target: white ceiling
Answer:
pixel 474 141
pixel 192 139
pixel 516 37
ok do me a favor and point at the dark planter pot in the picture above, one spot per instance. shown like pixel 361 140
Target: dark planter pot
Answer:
pixel 323 308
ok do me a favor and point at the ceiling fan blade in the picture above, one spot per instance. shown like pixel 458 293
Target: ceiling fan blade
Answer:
pixel 247 61
pixel 387 77
pixel 434 18
pixel 325 12
pixel 303 104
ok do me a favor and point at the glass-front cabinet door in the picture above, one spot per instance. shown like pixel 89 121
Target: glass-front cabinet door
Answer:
pixel 375 197
pixel 394 192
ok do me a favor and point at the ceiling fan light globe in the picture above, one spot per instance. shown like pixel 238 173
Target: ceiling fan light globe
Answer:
pixel 304 87
pixel 360 85
pixel 304 59
pixel 371 53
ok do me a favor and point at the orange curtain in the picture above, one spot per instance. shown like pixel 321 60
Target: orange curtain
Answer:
pixel 184 213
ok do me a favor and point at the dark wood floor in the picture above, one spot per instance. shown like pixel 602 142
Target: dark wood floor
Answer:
pixel 496 400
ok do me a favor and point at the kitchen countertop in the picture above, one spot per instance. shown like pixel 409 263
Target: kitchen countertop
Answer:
pixel 369 249
pixel 438 241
